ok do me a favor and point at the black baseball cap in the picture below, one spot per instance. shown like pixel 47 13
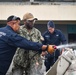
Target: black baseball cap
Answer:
pixel 12 18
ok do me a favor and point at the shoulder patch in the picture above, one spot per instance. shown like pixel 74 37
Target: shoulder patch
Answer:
pixel 2 34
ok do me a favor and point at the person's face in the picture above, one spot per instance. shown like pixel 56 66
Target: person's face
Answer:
pixel 29 24
pixel 51 30
pixel 16 25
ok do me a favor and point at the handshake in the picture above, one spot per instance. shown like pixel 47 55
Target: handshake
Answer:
pixel 50 48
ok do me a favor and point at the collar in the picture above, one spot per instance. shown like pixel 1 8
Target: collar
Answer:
pixel 9 27
pixel 53 32
pixel 26 30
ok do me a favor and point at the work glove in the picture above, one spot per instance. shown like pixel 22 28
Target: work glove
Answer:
pixel 51 48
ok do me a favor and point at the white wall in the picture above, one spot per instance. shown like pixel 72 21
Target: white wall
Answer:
pixel 42 12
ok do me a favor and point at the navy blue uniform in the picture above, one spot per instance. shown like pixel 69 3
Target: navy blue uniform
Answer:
pixel 53 39
pixel 9 41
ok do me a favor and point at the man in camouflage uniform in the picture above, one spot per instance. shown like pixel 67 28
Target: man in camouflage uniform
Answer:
pixel 28 62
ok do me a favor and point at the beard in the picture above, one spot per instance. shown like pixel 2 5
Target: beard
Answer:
pixel 28 26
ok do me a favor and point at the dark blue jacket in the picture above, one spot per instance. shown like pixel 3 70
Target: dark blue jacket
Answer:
pixel 9 41
pixel 53 39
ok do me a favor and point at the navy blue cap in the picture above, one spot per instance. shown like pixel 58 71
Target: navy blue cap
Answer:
pixel 51 24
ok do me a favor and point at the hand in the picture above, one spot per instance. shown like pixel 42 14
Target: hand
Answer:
pixel 51 48
pixel 43 53
pixel 42 39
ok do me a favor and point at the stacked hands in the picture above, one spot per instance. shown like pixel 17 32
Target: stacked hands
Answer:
pixel 50 49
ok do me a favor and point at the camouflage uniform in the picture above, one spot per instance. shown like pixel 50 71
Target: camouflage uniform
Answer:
pixel 30 61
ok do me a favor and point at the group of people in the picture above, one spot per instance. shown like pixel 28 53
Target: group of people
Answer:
pixel 24 45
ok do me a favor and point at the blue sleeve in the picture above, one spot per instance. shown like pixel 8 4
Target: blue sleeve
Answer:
pixel 18 41
pixel 44 41
pixel 62 38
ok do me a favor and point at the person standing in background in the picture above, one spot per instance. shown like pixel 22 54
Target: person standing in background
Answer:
pixel 52 37
pixel 28 62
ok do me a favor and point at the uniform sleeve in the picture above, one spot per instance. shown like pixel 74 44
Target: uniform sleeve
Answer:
pixel 40 37
pixel 44 41
pixel 18 41
pixel 62 38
